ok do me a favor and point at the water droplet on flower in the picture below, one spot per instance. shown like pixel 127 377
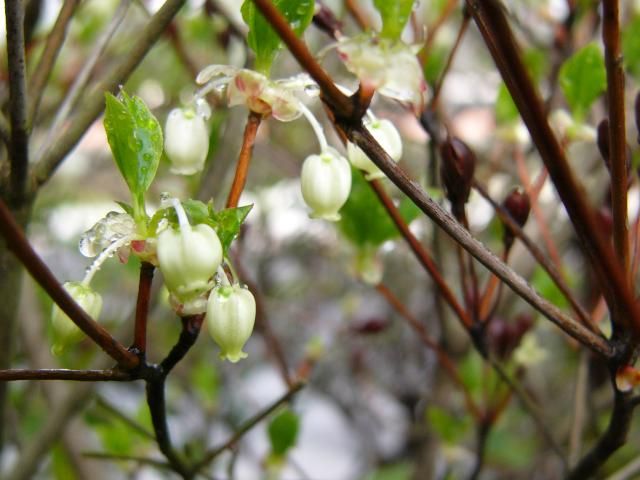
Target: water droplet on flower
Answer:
pixel 114 226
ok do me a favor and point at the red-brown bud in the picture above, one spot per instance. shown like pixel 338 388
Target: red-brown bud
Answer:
pixel 517 204
pixel 456 172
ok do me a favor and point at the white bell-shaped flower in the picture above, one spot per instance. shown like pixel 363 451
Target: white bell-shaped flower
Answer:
pixel 65 332
pixel 326 183
pixel 186 141
pixel 231 314
pixel 188 258
pixel 389 139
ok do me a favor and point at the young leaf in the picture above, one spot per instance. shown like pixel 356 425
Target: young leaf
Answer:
pixel 364 220
pixel 583 78
pixel 135 138
pixel 394 15
pixel 506 110
pixel 283 431
pixel 262 39
pixel 227 224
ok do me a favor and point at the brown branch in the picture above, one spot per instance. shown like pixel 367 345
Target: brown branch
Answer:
pixel 420 252
pixel 19 245
pixel 492 23
pixel 93 103
pixel 19 145
pixel 53 44
pixel 244 158
pixel 617 129
pixel 443 357
pixel 331 94
pixel 142 308
pixel 111 375
pixel 540 257
pixel 613 438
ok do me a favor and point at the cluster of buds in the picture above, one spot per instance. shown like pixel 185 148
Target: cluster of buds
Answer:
pixel 504 337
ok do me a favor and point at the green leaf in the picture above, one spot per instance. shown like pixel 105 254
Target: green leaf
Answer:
pixel 262 39
pixel 506 110
pixel 583 78
pixel 364 220
pixel 434 64
pixel 631 46
pixel 135 138
pixel 395 15
pixel 449 427
pixel 283 431
pixel 227 224
pixel 543 283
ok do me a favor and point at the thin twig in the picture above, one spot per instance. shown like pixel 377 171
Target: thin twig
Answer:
pixel 540 257
pixel 81 79
pixel 111 375
pixel 579 407
pixel 132 424
pixel 94 100
pixel 490 18
pixel 19 245
pixel 130 458
pixel 438 87
pixel 142 308
pixel 244 158
pixel 443 357
pixel 19 146
pixel 617 129
pixel 421 253
pixel 53 45
pixel 248 425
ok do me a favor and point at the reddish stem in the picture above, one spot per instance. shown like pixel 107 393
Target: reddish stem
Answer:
pixel 112 375
pixel 142 308
pixel 244 158
pixel 421 254
pixel 617 129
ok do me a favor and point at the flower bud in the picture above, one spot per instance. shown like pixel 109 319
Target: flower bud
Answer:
pixel 186 141
pixel 188 258
pixel 389 139
pixel 65 332
pixel 231 314
pixel 456 171
pixel 326 183
pixel 518 205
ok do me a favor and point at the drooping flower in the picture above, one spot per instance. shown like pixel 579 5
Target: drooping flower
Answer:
pixel 325 183
pixel 186 141
pixel 231 314
pixel 241 86
pixel 389 139
pixel 188 257
pixel 387 65
pixel 65 332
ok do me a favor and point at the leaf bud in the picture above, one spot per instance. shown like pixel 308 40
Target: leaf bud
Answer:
pixel 517 204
